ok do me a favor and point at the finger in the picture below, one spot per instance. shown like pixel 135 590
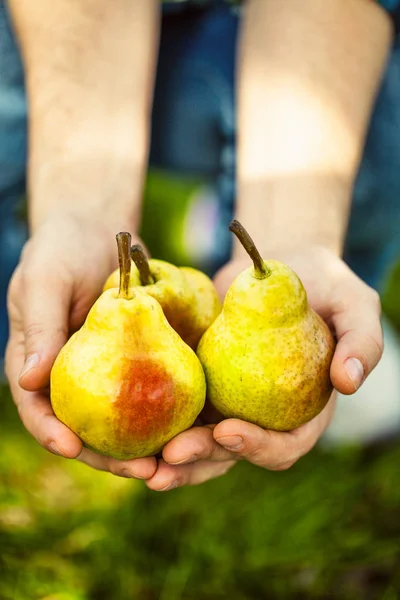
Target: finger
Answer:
pixel 45 315
pixel 139 468
pixel 35 409
pixel 195 444
pixel 360 341
pixel 169 477
pixel 273 450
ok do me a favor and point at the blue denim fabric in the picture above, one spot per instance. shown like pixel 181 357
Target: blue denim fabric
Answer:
pixel 193 129
pixel 194 132
pixel 13 231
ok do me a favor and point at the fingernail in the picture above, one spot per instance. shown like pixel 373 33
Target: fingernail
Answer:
pixel 55 449
pixel 187 460
pixel 31 362
pixel 355 371
pixel 231 442
pixel 171 486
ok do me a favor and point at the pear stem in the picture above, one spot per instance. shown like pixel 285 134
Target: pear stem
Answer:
pixel 261 270
pixel 140 259
pixel 124 244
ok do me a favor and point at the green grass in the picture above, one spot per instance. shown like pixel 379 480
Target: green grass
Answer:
pixel 329 528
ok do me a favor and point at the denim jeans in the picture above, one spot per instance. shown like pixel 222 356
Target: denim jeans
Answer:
pixel 194 133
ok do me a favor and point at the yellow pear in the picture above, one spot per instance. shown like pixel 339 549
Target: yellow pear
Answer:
pixel 267 355
pixel 126 383
pixel 206 306
pixel 187 296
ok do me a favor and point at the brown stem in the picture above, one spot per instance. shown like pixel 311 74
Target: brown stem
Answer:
pixel 124 244
pixel 260 268
pixel 140 259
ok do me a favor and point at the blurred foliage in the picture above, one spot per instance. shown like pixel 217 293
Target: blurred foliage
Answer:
pixel 163 228
pixel 391 296
pixel 327 528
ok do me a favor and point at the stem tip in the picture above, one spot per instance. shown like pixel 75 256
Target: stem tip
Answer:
pixel 124 243
pixel 140 259
pixel 261 270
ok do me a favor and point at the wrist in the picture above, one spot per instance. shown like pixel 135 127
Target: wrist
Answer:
pixel 294 213
pixel 98 190
pixel 70 234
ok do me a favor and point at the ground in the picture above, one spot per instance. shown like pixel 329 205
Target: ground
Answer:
pixel 329 528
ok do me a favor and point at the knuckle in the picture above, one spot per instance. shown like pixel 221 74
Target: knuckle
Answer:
pixel 375 299
pixel 31 275
pixel 118 469
pixel 37 330
pixel 47 443
pixel 256 454
pixel 33 331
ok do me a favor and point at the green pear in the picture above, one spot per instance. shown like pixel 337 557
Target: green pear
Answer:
pixel 187 296
pixel 126 383
pixel 267 356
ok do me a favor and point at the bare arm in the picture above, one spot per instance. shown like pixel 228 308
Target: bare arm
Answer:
pixel 90 68
pixel 308 75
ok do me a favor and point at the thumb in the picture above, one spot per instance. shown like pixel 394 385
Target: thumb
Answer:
pixel 45 314
pixel 360 344
pixel 265 448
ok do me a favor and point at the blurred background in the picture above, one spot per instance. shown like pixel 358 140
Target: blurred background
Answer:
pixel 327 528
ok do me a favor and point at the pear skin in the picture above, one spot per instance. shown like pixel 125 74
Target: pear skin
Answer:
pixel 267 356
pixel 126 383
pixel 207 304
pixel 187 296
pixel 170 289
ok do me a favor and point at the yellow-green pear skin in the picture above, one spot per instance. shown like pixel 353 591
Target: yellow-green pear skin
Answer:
pixel 206 307
pixel 267 356
pixel 126 383
pixel 187 296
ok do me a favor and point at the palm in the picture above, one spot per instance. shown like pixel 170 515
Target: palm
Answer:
pixel 352 311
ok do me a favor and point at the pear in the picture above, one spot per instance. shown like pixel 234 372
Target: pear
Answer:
pixel 188 297
pixel 267 355
pixel 206 306
pixel 126 383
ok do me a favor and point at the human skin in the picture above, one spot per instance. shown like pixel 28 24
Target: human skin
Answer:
pixel 308 75
pixel 89 70
pixel 304 103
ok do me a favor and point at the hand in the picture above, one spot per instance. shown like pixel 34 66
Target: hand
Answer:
pixel 61 273
pixel 352 310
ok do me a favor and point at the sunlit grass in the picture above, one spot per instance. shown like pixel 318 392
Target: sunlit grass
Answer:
pixel 328 528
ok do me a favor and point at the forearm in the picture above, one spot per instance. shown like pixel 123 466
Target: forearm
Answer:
pixel 89 71
pixel 309 73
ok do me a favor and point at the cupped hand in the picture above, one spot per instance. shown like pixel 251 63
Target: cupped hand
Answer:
pixel 60 275
pixel 352 310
